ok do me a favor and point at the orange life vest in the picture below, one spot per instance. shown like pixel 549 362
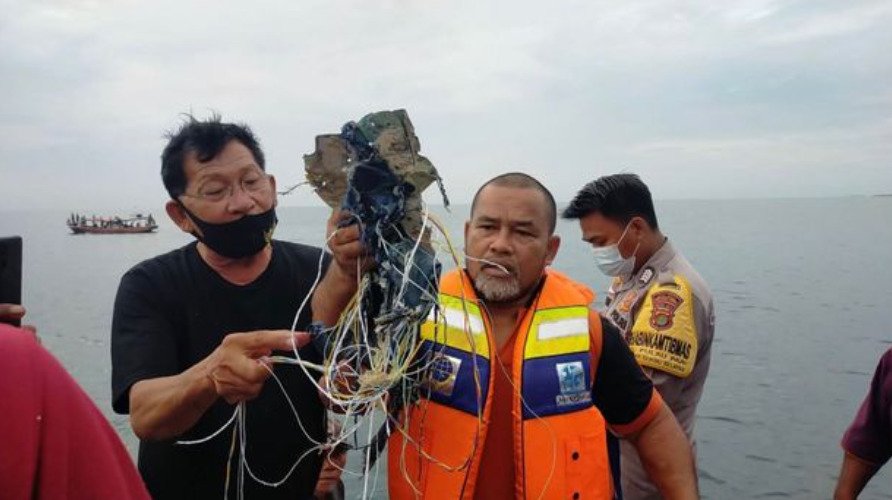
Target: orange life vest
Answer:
pixel 559 436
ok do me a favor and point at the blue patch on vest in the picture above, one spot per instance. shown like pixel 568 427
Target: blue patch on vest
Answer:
pixel 442 373
pixel 450 380
pixel 556 384
pixel 571 377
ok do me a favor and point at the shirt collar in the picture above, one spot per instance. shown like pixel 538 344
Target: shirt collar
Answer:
pixel 654 264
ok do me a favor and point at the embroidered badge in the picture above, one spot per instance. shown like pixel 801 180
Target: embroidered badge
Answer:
pixel 616 283
pixel 618 320
pixel 442 372
pixel 665 303
pixel 646 275
pixel 571 378
pixel 625 305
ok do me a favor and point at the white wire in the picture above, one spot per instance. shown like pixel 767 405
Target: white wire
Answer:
pixel 393 359
pixel 215 433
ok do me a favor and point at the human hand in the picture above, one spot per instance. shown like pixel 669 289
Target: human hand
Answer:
pixel 238 367
pixel 330 475
pixel 13 314
pixel 345 244
pixel 339 387
pixel 329 485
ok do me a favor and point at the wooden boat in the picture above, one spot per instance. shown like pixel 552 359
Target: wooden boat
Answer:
pixel 137 224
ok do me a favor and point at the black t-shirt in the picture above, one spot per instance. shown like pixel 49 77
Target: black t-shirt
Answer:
pixel 171 312
pixel 621 390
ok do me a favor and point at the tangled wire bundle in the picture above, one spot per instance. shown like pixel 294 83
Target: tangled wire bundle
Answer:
pixel 372 171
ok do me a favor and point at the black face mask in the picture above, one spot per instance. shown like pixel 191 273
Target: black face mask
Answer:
pixel 239 238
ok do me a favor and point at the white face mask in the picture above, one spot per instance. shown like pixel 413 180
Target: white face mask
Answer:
pixel 611 262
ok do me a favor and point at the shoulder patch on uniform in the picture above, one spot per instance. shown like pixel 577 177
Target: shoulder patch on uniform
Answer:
pixel 665 303
pixel 664 333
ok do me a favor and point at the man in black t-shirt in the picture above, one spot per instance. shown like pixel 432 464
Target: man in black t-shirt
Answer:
pixel 192 327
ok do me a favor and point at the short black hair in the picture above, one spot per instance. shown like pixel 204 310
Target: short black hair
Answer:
pixel 618 197
pixel 205 138
pixel 522 180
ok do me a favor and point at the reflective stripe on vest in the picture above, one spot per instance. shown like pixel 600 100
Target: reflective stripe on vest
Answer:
pixel 557 363
pixel 560 446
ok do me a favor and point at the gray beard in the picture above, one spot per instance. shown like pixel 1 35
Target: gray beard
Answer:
pixel 496 289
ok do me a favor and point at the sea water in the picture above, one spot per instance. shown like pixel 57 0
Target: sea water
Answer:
pixel 803 297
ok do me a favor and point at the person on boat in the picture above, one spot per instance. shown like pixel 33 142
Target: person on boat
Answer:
pixel 518 410
pixel 662 306
pixel 56 443
pixel 867 443
pixel 192 327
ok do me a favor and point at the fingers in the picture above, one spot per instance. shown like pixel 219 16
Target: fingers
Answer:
pixel 332 468
pixel 337 387
pixel 345 234
pixel 11 311
pixel 340 218
pixel 300 339
pixel 239 378
pixel 346 379
pixel 350 254
pixel 238 368
pixel 345 242
pixel 263 342
pixel 339 460
pixel 343 231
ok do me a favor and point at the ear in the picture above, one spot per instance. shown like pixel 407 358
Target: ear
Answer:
pixel 272 181
pixel 178 216
pixel 640 226
pixel 554 243
pixel 467 229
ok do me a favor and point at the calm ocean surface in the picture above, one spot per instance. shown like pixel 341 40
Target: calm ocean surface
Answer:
pixel 803 292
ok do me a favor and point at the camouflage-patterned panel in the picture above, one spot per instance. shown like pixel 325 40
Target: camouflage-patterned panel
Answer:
pixel 393 138
pixel 327 168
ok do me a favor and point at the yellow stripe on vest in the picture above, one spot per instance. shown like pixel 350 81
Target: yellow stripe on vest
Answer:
pixel 456 326
pixel 562 330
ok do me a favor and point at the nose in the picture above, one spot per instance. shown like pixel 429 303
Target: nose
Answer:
pixel 501 242
pixel 239 200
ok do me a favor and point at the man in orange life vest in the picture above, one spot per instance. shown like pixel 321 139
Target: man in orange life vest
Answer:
pixel 518 407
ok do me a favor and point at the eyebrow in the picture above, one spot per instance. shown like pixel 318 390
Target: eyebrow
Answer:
pixel 592 238
pixel 485 218
pixel 214 174
pixel 526 223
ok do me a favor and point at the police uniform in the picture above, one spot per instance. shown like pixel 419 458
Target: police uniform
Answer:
pixel 665 312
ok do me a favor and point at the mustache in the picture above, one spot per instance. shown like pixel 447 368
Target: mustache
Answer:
pixel 506 268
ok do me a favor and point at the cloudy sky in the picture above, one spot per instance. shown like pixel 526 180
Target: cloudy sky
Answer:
pixel 704 99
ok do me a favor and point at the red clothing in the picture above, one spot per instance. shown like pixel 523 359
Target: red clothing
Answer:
pixel 869 437
pixel 497 465
pixel 637 409
pixel 55 442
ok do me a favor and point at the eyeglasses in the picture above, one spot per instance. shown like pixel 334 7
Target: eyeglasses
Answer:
pixel 253 183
